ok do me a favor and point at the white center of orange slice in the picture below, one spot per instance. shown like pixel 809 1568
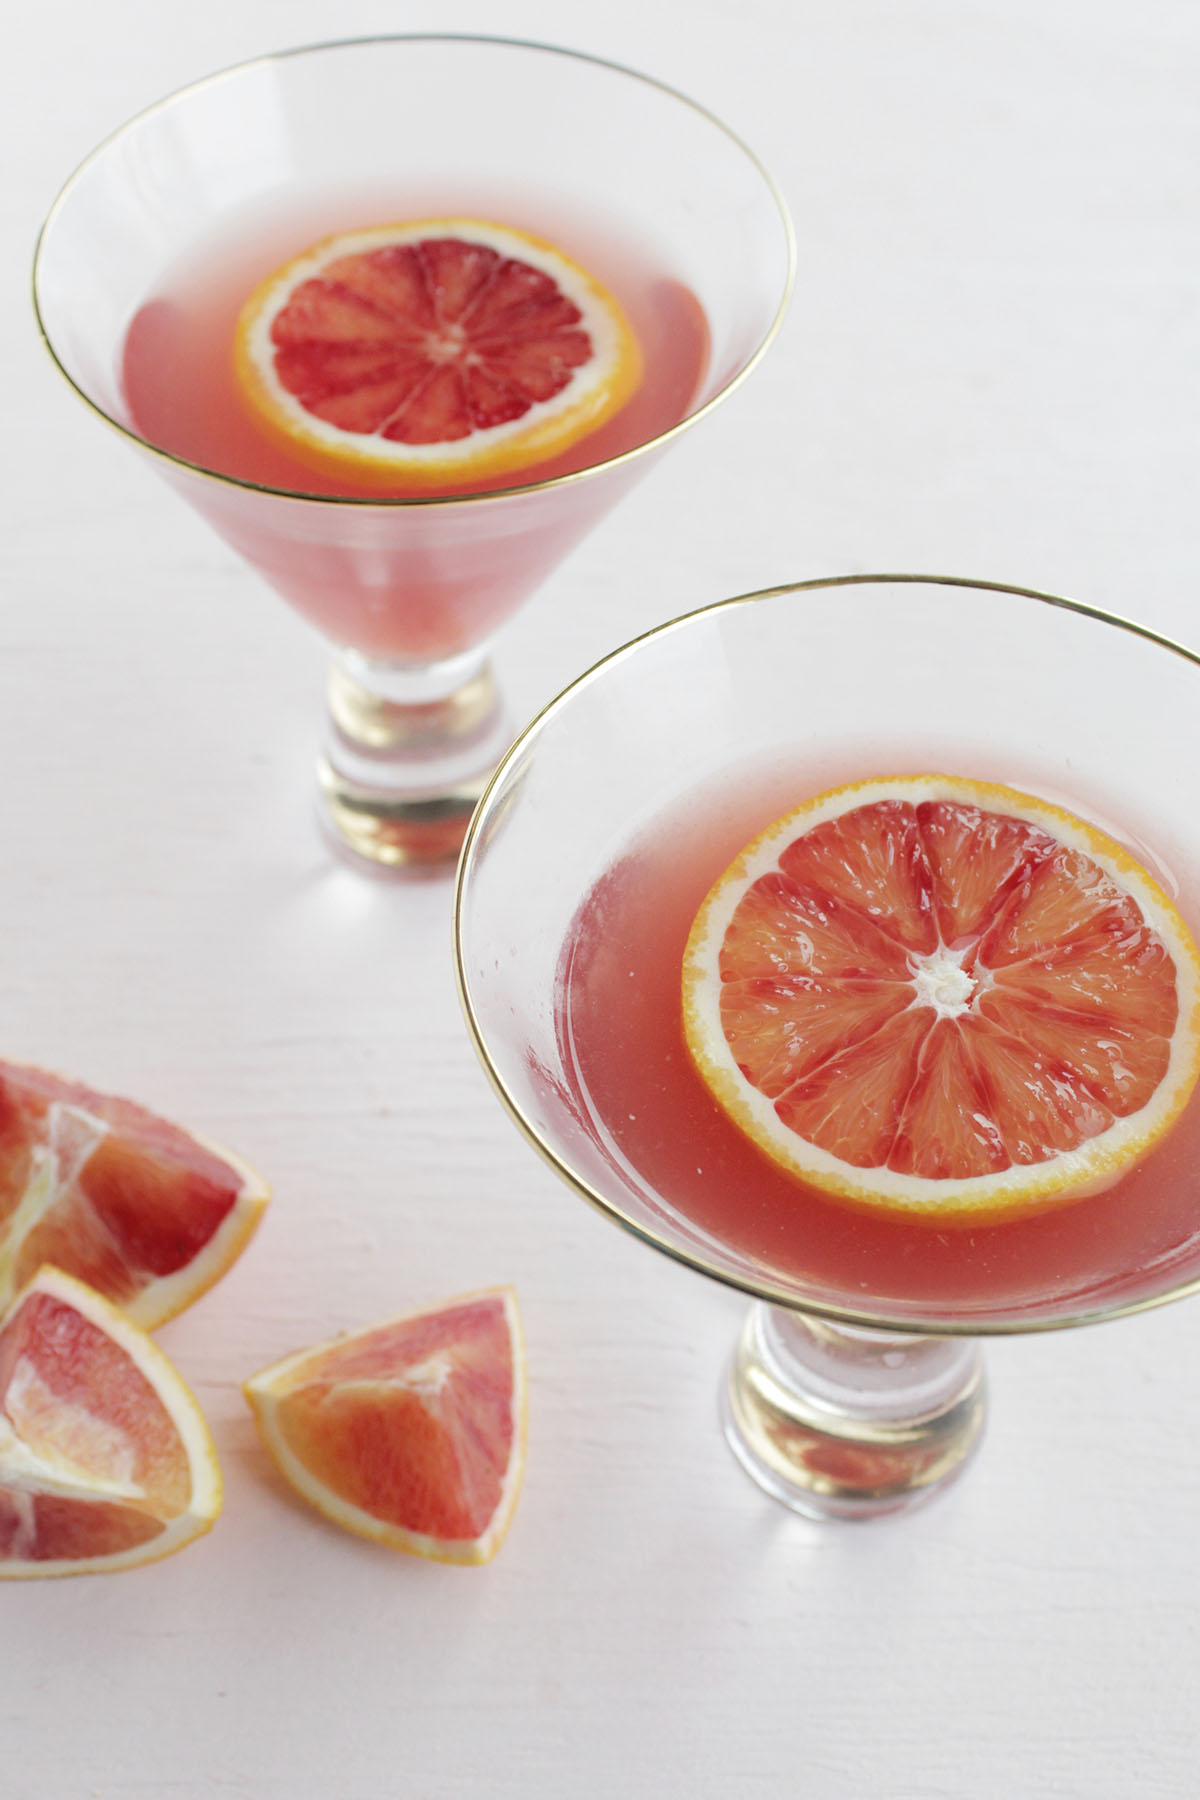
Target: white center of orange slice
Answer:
pixel 942 995
pixel 433 352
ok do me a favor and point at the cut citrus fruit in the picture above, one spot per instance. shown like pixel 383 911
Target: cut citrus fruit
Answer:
pixel 134 1206
pixel 433 353
pixel 938 994
pixel 411 1432
pixel 105 1458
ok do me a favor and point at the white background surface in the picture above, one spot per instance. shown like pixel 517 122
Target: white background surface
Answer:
pixel 990 369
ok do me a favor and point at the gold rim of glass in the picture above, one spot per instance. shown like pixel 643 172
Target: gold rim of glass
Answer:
pixel 765 1288
pixel 424 37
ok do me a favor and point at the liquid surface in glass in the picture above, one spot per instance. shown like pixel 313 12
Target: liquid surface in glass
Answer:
pixel 621 1042
pixel 178 369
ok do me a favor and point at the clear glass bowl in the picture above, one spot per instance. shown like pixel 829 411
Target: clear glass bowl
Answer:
pixel 290 148
pixel 796 690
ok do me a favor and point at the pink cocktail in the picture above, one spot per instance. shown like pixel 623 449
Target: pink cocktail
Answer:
pixel 154 244
pixel 855 1388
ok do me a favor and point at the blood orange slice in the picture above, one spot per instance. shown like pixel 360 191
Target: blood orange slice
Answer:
pixel 105 1458
pixel 942 995
pixel 433 353
pixel 411 1432
pixel 136 1207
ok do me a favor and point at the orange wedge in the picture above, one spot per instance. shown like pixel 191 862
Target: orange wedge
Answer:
pixel 133 1205
pixel 939 995
pixel 411 1432
pixel 105 1459
pixel 433 353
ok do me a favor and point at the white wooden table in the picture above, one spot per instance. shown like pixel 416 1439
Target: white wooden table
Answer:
pixel 990 369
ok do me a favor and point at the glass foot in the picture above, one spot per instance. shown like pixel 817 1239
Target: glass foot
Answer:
pixel 408 753
pixel 839 1423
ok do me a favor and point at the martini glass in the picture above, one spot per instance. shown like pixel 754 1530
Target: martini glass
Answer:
pixel 275 154
pixel 857 1386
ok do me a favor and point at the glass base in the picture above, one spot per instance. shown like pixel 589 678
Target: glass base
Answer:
pixel 408 753
pixel 839 1423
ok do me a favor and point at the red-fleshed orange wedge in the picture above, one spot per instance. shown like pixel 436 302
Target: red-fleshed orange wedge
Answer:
pixel 145 1213
pixel 411 1432
pixel 433 353
pixel 939 995
pixel 105 1459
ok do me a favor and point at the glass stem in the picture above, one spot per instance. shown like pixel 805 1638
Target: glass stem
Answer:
pixel 408 751
pixel 843 1423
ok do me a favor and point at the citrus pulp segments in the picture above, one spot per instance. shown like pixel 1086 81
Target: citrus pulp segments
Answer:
pixel 410 1432
pixel 106 1461
pixel 1090 1167
pixel 596 389
pixel 141 1210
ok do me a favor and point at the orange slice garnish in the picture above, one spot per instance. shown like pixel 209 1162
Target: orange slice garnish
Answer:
pixel 105 1458
pixel 410 1432
pixel 944 996
pixel 136 1207
pixel 433 353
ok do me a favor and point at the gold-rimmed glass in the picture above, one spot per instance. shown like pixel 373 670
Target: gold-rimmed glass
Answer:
pixel 410 591
pixel 857 1386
